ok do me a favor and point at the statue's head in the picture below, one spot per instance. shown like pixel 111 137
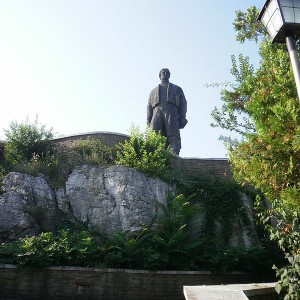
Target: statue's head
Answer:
pixel 165 73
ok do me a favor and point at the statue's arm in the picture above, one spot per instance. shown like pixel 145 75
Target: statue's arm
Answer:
pixel 182 111
pixel 149 112
pixel 182 106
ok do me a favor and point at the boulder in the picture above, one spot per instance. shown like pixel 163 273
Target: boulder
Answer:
pixel 112 199
pixel 25 205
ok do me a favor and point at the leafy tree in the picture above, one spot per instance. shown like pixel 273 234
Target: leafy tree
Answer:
pixel 263 108
pixel 286 234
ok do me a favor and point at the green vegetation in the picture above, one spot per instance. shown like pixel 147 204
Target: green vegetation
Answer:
pixel 221 203
pixel 286 234
pixel 25 140
pixel 171 243
pixel 146 152
pixel 29 149
pixel 165 246
pixel 262 107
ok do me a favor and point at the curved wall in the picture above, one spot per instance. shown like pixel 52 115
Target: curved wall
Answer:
pixel 108 138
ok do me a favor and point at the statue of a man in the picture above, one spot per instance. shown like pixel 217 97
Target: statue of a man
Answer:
pixel 166 111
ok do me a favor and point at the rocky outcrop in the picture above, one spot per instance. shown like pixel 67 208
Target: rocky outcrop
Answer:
pixel 105 199
pixel 25 200
pixel 112 199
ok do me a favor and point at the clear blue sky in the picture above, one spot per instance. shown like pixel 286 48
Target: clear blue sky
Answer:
pixel 90 65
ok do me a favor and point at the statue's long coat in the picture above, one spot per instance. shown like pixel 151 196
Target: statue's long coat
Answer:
pixel 171 118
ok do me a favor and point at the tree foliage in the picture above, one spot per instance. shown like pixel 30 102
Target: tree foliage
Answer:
pixel 246 26
pixel 263 108
pixel 286 234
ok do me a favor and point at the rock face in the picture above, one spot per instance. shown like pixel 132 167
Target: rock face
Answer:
pixel 106 199
pixel 112 199
pixel 23 196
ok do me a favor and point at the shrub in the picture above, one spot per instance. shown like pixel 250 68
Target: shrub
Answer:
pixel 146 152
pixel 24 140
pixel 171 238
pixel 48 249
pixel 58 163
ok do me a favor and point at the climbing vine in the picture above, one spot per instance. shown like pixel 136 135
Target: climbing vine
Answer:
pixel 222 205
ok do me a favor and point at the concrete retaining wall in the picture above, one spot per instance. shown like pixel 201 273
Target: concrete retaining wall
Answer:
pixel 106 284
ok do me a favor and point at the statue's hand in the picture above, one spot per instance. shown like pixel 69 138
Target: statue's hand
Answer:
pixel 182 122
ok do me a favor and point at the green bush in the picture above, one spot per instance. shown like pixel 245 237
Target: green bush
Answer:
pixel 146 152
pixel 166 245
pixel 49 249
pixel 172 235
pixel 62 159
pixel 24 140
pixel 69 154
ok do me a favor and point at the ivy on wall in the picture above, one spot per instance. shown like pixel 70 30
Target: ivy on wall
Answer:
pixel 222 205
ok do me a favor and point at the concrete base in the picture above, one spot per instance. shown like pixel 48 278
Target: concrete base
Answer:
pixel 257 291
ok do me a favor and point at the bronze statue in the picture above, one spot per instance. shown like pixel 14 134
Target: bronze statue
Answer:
pixel 166 111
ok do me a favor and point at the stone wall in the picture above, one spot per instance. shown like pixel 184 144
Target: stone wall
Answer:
pixel 190 167
pixel 193 167
pixel 108 138
pixel 109 284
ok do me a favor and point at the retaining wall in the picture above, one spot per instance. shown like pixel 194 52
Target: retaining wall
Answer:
pixel 189 167
pixel 108 138
pixel 68 283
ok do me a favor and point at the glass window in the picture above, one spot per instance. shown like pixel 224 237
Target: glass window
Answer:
pixel 286 3
pixel 297 3
pixel 297 15
pixel 288 14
